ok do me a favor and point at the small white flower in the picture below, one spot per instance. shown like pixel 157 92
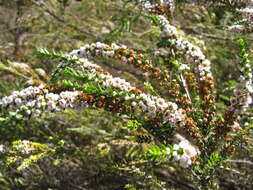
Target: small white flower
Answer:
pixel 143 106
pixel 133 104
pixel 114 93
pixel 63 103
pixel 176 156
pixel 9 99
pixel 28 112
pixel 2 148
pixel 183 67
pixel 15 94
pixel 31 103
pixel 188 148
pixel 176 147
pixel 185 161
pixel 18 101
pixel 37 112
pixel 51 105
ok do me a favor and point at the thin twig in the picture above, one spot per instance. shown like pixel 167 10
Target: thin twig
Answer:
pixel 185 86
pixel 212 36
pixel 231 170
pixel 240 161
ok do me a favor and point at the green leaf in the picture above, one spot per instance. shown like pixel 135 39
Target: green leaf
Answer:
pixel 133 125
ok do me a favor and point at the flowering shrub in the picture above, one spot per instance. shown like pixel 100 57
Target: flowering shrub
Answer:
pixel 177 109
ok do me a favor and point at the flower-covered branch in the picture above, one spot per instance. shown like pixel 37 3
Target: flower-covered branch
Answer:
pixel 192 53
pixel 243 95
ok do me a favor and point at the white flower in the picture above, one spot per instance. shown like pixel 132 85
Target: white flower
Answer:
pixel 176 156
pixel 31 103
pixel 100 45
pixel 115 46
pixel 133 104
pixel 28 112
pixel 185 161
pixel 1 148
pixel 152 108
pixel 51 105
pixel 183 67
pixel 22 94
pixel 173 105
pixel 250 88
pixel 9 99
pixel 143 106
pixel 53 97
pixel 15 94
pixel 176 147
pixel 37 112
pixel 38 105
pixel 63 103
pixel 188 148
pixel 4 101
pixel 127 98
pixel 18 101
pixel 249 100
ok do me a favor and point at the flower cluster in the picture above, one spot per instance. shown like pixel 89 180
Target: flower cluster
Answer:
pixel 23 146
pixel 151 105
pixel 96 73
pixel 168 29
pixel 248 13
pixel 245 24
pixel 119 52
pixel 184 152
pixel 243 95
pixel 116 82
pixel 193 53
pixel 237 28
pixel 244 90
pixel 34 100
pixel 127 56
pixel 101 49
pixel 86 64
pixel 22 97
pixel 220 3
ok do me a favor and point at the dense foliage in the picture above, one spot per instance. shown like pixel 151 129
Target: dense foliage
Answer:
pixel 69 118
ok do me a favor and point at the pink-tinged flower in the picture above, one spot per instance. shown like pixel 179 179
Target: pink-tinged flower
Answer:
pixel 236 127
pixel 185 161
pixel 62 103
